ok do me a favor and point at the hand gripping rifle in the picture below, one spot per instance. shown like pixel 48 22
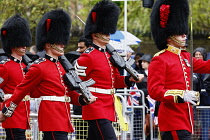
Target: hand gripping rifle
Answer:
pixel 119 62
pixel 73 81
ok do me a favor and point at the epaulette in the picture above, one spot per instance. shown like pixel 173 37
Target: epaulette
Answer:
pixel 89 49
pixel 40 60
pixel 160 52
pixel 37 61
pixel 4 61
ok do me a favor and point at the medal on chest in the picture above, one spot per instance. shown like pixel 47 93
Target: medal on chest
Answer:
pixel 187 63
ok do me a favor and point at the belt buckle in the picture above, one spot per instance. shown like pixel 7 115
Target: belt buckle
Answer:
pixel 112 91
pixel 197 95
pixel 26 98
pixel 67 99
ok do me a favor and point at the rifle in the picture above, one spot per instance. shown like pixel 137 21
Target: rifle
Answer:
pixel 73 80
pixel 119 62
pixel 1 95
pixel 27 61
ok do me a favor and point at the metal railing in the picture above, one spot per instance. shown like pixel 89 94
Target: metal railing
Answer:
pixel 136 119
pixel 135 116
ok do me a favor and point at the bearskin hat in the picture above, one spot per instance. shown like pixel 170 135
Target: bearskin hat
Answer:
pixel 168 18
pixel 54 27
pixel 102 18
pixel 15 32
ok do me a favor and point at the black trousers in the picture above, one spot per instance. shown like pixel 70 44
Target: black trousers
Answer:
pixel 15 134
pixel 101 130
pixel 176 135
pixel 55 135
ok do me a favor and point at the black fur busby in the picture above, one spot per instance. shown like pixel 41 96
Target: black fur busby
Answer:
pixel 54 27
pixel 102 18
pixel 15 32
pixel 168 18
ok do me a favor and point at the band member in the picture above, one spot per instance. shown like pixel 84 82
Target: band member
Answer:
pixel 15 37
pixel 44 79
pixel 95 63
pixel 169 71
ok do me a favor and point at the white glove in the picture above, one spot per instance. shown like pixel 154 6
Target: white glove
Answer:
pixel 7 96
pixel 191 96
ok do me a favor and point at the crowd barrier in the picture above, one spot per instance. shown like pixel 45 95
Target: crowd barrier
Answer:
pixel 201 124
pixel 135 117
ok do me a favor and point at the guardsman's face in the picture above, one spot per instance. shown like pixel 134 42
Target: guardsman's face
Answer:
pixel 81 47
pixel 105 38
pixel 101 39
pixel 57 49
pixel 19 51
pixel 178 41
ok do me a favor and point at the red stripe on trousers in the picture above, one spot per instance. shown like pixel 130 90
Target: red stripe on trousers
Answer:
pixel 99 130
pixel 174 135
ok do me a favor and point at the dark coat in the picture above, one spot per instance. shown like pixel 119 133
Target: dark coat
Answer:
pixel 205 96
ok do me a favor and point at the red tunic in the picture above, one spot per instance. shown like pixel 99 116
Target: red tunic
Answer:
pixel 11 71
pixel 94 63
pixel 170 70
pixel 45 77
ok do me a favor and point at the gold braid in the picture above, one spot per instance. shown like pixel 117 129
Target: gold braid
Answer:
pixel 99 36
pixel 56 48
pixel 177 41
pixel 17 49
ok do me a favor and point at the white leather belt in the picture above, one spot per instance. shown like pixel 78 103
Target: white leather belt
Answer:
pixel 26 98
pixel 56 98
pixel 103 91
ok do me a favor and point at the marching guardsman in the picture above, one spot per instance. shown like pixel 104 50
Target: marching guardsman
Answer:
pixel 169 71
pixel 45 79
pixel 95 63
pixel 15 37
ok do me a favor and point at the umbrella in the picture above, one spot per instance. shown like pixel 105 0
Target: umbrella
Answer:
pixel 125 38
pixel 120 46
